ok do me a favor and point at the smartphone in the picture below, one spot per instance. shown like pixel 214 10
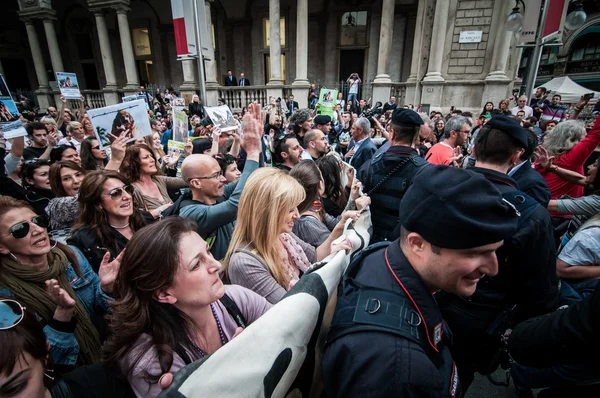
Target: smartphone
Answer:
pixel 589 96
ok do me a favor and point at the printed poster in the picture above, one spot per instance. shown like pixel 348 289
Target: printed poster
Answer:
pixel 221 117
pixel 10 122
pixel 68 85
pixel 129 98
pixel 327 101
pixel 128 118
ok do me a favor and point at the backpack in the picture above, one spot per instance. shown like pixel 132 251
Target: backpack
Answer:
pixel 524 204
pixel 181 202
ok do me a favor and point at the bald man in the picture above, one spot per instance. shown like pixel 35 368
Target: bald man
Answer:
pixel 316 144
pixel 215 204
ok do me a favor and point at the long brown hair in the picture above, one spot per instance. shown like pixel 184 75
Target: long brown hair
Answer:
pixel 132 166
pixel 95 218
pixel 135 311
pixel 308 175
pixel 331 171
pixel 8 203
pixel 55 178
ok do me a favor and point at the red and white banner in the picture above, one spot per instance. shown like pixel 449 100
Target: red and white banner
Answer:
pixel 183 24
pixel 555 19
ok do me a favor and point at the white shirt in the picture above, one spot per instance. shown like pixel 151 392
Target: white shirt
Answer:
pixel 73 142
pixel 527 109
pixel 353 86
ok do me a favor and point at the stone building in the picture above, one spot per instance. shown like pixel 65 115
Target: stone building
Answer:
pixel 408 48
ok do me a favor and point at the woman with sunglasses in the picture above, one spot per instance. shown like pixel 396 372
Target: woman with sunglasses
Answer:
pixel 26 371
pixel 108 219
pixel 35 177
pixel 55 281
pixel 65 179
pixel 151 187
pixel 93 157
pixel 169 309
pixel 438 130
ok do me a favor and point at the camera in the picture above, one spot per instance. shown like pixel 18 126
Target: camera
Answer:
pixel 588 96
pixel 278 99
pixel 374 112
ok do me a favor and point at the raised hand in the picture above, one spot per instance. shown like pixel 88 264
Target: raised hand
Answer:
pixel 118 146
pixel 108 271
pixel 58 295
pixel 542 157
pixel 253 129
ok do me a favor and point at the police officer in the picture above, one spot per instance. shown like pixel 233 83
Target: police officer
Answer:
pixel 387 176
pixel 387 336
pixel 526 284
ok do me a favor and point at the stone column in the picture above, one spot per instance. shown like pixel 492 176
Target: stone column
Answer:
pixel 55 57
pixel 275 44
pixel 382 83
pixel 412 83
pixel 210 65
pixel 433 82
pixel 190 85
pixel 43 93
pixel 497 83
pixel 131 74
pixel 301 83
pixel 110 90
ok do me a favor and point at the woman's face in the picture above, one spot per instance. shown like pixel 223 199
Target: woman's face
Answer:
pixel 503 105
pixel 440 125
pixel 87 126
pixel 196 283
pixel 41 178
pixel 51 127
pixel 97 152
pixel 147 162
pixel 71 180
pixel 288 221
pixel 72 155
pixel 156 141
pixel 34 244
pixel 232 173
pixel 550 126
pixel 26 379
pixel 592 172
pixel 115 200
pixel 67 117
pixel 489 107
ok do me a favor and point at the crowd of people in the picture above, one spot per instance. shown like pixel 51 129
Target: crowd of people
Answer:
pixel 119 266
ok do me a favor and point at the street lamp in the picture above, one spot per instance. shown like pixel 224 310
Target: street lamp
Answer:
pixel 514 22
pixel 576 19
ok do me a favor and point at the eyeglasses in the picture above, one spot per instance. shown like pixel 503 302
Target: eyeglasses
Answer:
pixel 21 230
pixel 117 193
pixel 96 147
pixel 214 176
pixel 11 314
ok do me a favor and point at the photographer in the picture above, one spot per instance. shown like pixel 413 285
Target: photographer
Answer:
pixel 353 80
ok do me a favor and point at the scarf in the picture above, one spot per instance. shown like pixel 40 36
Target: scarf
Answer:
pixel 28 284
pixel 296 256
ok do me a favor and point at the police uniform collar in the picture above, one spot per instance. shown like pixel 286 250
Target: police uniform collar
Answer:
pixel 417 292
pixel 401 150
pixel 497 178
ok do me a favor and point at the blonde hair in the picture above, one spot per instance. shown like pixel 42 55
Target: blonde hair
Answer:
pixel 268 197
pixel 158 153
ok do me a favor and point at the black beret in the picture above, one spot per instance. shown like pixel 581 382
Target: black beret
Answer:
pixel 322 119
pixel 510 126
pixel 406 117
pixel 457 209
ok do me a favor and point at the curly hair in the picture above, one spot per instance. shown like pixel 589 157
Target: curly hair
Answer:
pixel 132 166
pixel 564 137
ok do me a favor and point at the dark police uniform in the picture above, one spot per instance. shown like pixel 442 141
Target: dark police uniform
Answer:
pixel 387 177
pixel 526 284
pixel 387 336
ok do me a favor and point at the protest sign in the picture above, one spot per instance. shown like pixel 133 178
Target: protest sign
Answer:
pixel 327 100
pixel 10 122
pixel 128 118
pixel 180 124
pixel 221 117
pixel 134 97
pixel 68 85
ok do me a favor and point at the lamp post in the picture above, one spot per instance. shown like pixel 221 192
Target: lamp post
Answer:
pixel 514 23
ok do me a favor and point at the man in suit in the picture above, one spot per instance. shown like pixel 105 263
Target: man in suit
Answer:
pixel 364 147
pixel 230 80
pixel 530 181
pixel 243 81
pixel 291 106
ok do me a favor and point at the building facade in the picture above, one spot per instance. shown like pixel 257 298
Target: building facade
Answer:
pixel 412 49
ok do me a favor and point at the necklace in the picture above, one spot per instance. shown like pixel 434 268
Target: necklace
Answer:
pixel 221 333
pixel 120 227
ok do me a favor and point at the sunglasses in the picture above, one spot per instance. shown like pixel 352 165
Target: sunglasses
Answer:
pixel 21 230
pixel 37 161
pixel 96 147
pixel 117 193
pixel 11 314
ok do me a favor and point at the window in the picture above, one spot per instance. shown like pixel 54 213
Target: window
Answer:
pixel 141 42
pixel 268 67
pixel 549 56
pixel 353 31
pixel 267 32
pixel 585 48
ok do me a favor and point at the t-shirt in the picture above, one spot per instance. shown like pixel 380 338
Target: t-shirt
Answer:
pixel 353 86
pixel 440 153
pixel 33 153
pixel 73 142
pixel 584 247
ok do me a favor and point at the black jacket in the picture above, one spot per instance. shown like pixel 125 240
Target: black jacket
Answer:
pixel 86 240
pixel 38 199
pixel 563 337
pixel 380 364
pixel 195 108
pixel 230 81
pixel 532 183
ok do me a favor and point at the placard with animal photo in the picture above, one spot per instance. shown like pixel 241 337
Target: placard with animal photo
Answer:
pixel 221 117
pixel 129 118
pixel 10 121
pixel 68 85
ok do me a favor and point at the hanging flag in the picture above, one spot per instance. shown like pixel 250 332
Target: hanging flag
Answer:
pixel 183 25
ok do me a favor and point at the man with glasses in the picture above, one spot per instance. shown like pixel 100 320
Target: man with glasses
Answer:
pixel 522 106
pixel 448 152
pixel 40 142
pixel 213 204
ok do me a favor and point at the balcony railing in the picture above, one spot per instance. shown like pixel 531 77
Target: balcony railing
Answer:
pixel 239 97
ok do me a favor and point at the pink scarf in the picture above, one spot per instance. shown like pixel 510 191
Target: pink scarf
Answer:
pixel 296 256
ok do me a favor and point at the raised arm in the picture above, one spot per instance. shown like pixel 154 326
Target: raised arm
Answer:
pixel 61 119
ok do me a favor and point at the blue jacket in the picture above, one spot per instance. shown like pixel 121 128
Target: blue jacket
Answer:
pixel 64 348
pixel 365 152
pixel 532 183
